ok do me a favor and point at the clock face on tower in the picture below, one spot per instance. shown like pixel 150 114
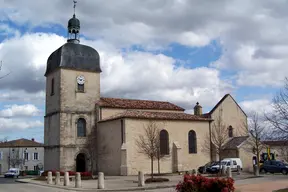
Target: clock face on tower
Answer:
pixel 80 80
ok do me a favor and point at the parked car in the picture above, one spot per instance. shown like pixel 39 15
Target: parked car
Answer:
pixel 234 163
pixel 12 172
pixel 203 169
pixel 273 166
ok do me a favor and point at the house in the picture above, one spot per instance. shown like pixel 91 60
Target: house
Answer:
pixel 21 153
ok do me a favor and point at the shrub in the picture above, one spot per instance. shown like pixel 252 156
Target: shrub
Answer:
pixel 193 183
pixel 156 180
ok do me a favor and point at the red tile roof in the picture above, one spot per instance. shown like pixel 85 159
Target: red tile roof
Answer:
pixel 156 115
pixel 21 143
pixel 137 104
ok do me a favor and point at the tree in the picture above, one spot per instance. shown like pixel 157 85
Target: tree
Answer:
pixel 217 138
pixel 257 133
pixel 15 158
pixel 278 118
pixel 149 144
pixel 5 75
pixel 94 150
pixel 284 151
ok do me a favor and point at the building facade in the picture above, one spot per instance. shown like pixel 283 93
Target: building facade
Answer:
pixel 22 153
pixel 75 110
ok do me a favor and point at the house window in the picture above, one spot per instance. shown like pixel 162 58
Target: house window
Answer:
pixel 1 155
pixel 26 155
pixel 164 142
pixel 26 168
pixel 35 156
pixel 80 87
pixel 35 168
pixel 192 142
pixel 81 127
pixel 230 131
pixel 52 86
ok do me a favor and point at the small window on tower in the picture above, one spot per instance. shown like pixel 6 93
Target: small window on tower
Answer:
pixel 52 86
pixel 80 87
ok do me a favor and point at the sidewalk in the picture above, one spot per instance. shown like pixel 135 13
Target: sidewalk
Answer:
pixel 263 186
pixel 243 182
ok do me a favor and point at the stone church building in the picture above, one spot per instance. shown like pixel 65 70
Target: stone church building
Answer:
pixel 74 107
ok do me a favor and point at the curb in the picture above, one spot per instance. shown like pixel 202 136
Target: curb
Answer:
pixel 95 189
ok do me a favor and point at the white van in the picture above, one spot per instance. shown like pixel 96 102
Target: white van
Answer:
pixel 233 163
pixel 229 162
pixel 13 172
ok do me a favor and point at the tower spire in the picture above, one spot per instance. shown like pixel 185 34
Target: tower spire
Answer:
pixel 74 1
pixel 73 27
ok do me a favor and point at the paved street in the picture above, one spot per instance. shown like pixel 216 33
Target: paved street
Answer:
pixel 9 185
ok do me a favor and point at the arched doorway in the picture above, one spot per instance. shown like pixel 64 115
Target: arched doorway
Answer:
pixel 81 162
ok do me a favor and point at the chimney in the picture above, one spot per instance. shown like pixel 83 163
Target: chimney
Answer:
pixel 197 109
pixel 32 139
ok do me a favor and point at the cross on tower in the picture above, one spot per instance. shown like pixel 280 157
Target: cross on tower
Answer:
pixel 74 1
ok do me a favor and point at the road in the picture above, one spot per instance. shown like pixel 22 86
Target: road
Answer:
pixel 9 185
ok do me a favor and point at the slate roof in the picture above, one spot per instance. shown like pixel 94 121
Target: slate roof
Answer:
pixel 137 104
pixel 134 114
pixel 276 143
pixel 21 143
pixel 74 56
pixel 235 142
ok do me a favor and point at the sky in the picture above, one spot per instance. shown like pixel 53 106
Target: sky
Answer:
pixel 181 51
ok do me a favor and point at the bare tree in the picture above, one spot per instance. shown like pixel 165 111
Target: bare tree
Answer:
pixel 4 140
pixel 278 118
pixel 15 158
pixel 217 138
pixel 257 133
pixel 149 144
pixel 94 150
pixel 5 75
pixel 284 151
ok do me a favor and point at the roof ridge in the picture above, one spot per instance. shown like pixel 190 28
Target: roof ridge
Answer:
pixel 136 99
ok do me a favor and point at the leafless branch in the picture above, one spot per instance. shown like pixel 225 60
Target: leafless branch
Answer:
pixel 278 118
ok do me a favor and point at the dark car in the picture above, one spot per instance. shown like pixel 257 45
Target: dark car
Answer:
pixel 274 166
pixel 206 167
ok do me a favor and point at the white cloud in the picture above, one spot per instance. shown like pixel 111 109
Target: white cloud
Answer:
pixel 260 106
pixel 133 74
pixel 18 124
pixel 27 110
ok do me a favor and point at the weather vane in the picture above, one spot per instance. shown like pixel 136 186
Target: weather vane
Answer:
pixel 74 1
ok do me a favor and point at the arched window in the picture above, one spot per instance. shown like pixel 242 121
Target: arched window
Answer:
pixel 81 127
pixel 164 142
pixel 230 131
pixel 192 139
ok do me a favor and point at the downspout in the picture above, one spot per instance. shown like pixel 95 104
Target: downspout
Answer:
pixel 210 135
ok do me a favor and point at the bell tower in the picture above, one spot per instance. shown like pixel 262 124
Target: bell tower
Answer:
pixel 72 89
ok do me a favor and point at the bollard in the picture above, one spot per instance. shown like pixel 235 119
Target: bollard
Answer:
pixel 100 180
pixel 66 179
pixel 77 180
pixel 194 171
pixel 57 178
pixel 49 177
pixel 223 170
pixel 238 170
pixel 229 172
pixel 141 181
pixel 256 170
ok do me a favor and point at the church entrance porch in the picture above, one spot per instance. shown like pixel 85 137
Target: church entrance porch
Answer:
pixel 81 162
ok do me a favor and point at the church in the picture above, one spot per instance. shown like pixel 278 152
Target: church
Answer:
pixel 74 107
